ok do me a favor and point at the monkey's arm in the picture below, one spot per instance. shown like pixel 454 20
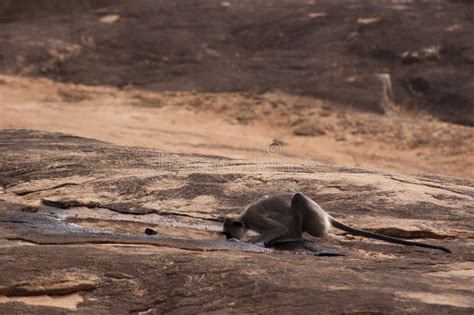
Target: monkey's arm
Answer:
pixel 272 231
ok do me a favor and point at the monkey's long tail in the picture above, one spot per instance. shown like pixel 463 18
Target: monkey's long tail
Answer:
pixel 357 232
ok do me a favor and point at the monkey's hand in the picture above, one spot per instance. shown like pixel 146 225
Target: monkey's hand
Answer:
pixel 233 240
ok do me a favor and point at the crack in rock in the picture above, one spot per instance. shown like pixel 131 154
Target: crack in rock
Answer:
pixel 401 233
pixel 27 192
pixel 456 191
pixel 122 208
pixel 56 283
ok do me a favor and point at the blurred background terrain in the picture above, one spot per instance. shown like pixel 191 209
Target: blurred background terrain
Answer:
pixel 385 84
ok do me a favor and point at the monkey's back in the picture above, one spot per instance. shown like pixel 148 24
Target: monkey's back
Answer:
pixel 275 207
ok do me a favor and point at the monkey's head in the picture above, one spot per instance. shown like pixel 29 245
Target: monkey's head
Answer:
pixel 234 227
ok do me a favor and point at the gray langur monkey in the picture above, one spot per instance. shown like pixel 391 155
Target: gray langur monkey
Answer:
pixel 284 217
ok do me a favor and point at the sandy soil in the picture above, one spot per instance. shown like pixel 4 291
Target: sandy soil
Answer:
pixel 240 125
pixel 332 50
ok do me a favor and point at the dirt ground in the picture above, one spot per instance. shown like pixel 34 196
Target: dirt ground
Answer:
pixel 270 126
pixel 332 50
pixel 385 84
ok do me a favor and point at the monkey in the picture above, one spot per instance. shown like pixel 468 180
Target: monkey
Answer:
pixel 283 217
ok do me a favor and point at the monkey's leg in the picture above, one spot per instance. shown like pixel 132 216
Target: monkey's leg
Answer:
pixel 315 220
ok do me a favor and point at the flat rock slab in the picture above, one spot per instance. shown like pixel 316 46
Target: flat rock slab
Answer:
pixel 73 212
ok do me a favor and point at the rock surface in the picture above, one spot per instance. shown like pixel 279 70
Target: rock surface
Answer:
pixel 73 214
